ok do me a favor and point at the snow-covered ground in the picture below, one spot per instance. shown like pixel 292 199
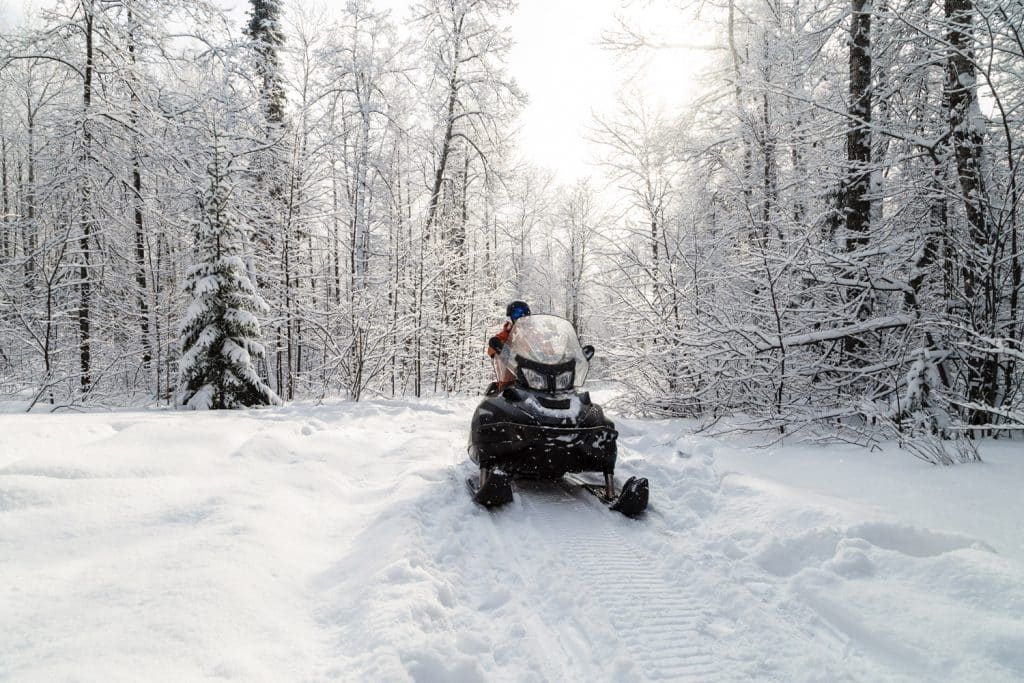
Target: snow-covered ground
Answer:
pixel 338 543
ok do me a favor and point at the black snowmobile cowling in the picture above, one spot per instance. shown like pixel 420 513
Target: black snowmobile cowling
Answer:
pixel 523 431
pixel 542 426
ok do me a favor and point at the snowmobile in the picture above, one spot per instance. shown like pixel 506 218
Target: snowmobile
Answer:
pixel 542 427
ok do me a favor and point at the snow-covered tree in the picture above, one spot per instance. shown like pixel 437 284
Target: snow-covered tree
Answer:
pixel 220 331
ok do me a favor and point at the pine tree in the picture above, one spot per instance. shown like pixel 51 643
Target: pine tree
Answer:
pixel 220 330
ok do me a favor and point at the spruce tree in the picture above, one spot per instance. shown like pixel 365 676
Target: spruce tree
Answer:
pixel 220 330
pixel 264 30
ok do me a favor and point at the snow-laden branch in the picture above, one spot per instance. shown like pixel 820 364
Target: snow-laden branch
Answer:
pixel 873 325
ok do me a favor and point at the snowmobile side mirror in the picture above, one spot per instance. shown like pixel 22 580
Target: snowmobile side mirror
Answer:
pixel 588 351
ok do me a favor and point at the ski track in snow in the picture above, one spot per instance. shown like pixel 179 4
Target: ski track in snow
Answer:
pixel 658 625
pixel 337 543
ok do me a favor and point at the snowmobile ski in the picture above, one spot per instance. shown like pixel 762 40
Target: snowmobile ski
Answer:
pixel 630 501
pixel 632 498
pixel 496 489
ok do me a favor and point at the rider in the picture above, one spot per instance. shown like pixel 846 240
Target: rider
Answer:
pixel 514 311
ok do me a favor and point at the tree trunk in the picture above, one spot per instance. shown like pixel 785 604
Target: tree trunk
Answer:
pixel 446 142
pixel 967 138
pixel 857 185
pixel 6 243
pixel 137 206
pixel 857 202
pixel 85 284
pixel 29 231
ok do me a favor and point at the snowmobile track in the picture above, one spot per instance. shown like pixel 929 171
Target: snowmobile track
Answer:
pixel 659 625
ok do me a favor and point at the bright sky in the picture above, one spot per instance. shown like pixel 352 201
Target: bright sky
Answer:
pixel 568 76
pixel 558 62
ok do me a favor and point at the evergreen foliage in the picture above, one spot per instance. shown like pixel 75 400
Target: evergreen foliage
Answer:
pixel 220 329
pixel 264 29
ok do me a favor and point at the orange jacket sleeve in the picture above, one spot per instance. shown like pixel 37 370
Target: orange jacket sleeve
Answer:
pixel 502 335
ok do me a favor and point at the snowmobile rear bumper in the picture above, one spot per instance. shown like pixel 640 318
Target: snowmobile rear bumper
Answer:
pixel 544 451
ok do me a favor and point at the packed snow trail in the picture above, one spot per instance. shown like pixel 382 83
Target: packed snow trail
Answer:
pixel 655 625
pixel 337 543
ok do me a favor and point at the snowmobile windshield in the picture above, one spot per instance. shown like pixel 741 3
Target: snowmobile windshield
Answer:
pixel 545 344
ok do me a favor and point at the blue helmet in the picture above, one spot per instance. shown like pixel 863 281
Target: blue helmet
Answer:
pixel 516 310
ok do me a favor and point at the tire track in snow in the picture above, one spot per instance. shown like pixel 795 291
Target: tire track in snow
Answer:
pixel 659 625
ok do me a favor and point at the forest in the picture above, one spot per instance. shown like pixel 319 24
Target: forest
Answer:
pixel 330 202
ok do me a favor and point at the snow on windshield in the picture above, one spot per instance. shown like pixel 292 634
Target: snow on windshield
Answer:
pixel 549 340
